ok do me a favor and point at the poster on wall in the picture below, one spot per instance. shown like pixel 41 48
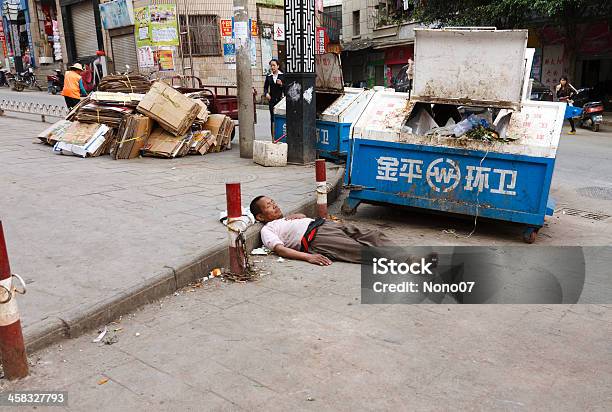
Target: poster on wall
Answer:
pixel 146 57
pixel 164 25
pixel 116 13
pixel 553 66
pixel 226 27
pixel 266 55
pixel 253 47
pixel 229 51
pixel 142 27
pixel 165 59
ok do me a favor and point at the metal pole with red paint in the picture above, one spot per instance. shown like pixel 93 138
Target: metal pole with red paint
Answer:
pixel 321 179
pixel 234 213
pixel 12 348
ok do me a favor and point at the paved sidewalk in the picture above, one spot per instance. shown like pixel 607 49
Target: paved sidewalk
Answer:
pixel 299 339
pixel 95 237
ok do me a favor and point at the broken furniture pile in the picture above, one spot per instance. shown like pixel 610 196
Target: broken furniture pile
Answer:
pixel 131 118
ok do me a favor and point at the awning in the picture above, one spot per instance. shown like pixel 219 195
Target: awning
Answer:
pixel 357 45
pixel 395 43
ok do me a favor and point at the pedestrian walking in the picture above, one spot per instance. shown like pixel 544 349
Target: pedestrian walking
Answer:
pixel 73 86
pixel 565 91
pixel 274 89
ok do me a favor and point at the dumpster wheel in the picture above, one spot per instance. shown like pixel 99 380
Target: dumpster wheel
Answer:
pixel 530 234
pixel 349 207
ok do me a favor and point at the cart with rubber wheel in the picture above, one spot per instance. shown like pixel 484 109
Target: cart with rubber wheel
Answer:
pixel 395 159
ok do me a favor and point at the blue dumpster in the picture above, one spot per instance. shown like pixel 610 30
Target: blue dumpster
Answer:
pixel 334 125
pixel 400 156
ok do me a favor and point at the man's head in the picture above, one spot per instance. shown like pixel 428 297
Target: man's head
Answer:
pixel 274 65
pixel 265 209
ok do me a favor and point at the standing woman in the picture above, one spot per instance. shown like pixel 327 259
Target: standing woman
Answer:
pixel 565 91
pixel 73 86
pixel 274 89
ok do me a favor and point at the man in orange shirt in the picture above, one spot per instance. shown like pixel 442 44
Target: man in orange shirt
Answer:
pixel 73 86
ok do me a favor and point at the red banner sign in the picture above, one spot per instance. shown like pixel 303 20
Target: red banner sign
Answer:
pixel 226 27
pixel 320 40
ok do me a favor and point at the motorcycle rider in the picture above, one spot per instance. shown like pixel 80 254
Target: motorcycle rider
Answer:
pixel 73 86
pixel 564 92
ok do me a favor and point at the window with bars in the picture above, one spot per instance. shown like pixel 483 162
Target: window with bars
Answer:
pixel 204 33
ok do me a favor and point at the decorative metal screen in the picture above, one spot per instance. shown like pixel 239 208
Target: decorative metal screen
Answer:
pixel 300 35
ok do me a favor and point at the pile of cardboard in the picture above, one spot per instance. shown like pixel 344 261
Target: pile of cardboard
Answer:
pixel 54 132
pixel 132 136
pixel 117 99
pixel 174 111
pixel 85 140
pixel 103 113
pixel 161 123
pixel 221 127
pixel 201 142
pixel 125 83
pixel 161 143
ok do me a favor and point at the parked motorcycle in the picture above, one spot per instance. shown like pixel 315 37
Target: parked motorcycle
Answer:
pixel 592 115
pixel 592 108
pixel 25 79
pixel 55 82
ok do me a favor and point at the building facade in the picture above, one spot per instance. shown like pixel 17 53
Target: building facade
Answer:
pixel 29 34
pixel 377 41
pixel 188 37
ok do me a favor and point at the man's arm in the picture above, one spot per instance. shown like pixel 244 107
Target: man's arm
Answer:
pixel 297 255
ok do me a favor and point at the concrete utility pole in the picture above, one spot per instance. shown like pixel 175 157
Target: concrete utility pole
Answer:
pixel 246 115
pixel 300 80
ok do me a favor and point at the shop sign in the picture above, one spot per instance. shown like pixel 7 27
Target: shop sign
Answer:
pixel 279 32
pixel 320 41
pixel 226 27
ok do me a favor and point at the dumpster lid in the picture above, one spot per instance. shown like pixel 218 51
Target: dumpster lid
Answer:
pixel 281 107
pixel 329 73
pixel 333 112
pixel 470 67
pixel 384 116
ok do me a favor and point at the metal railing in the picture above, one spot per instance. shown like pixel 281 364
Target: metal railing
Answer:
pixel 41 109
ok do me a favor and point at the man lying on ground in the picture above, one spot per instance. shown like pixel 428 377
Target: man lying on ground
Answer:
pixel 317 241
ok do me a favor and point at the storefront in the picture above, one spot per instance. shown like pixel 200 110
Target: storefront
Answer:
pixel 48 47
pixel 82 29
pixel 17 35
pixel 396 58
pixel 117 18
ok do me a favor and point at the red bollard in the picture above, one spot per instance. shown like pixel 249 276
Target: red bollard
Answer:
pixel 321 188
pixel 12 348
pixel 234 211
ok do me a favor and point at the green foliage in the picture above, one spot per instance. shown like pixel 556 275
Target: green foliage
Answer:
pixel 509 14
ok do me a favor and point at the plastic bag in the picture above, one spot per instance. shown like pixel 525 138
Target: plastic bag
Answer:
pixel 468 124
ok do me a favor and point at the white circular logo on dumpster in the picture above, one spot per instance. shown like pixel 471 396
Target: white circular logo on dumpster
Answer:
pixel 443 175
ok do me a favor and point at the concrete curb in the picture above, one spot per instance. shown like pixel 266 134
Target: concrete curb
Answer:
pixel 80 320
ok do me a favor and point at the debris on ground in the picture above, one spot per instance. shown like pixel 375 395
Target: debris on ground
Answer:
pixel 110 339
pixel 101 335
pixel 260 251
pixel 102 381
pixel 280 260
